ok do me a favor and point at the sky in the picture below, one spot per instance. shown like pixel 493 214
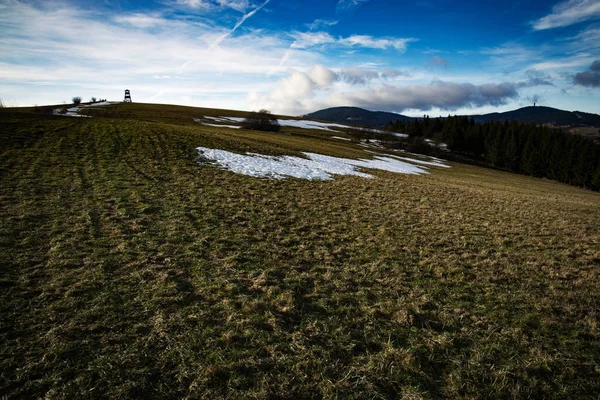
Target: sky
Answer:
pixel 434 57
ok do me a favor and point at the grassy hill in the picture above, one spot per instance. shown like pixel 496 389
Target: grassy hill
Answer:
pixel 131 270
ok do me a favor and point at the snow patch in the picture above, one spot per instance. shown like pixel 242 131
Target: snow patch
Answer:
pixel 299 123
pixel 314 167
pixel 198 120
pixel 73 111
pixel 341 138
pixel 430 163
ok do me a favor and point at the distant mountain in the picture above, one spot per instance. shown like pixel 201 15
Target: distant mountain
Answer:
pixel 543 115
pixel 538 115
pixel 356 116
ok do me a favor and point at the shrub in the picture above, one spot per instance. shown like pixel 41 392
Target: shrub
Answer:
pixel 93 99
pixel 262 120
pixel 1 104
pixel 76 100
pixel 418 145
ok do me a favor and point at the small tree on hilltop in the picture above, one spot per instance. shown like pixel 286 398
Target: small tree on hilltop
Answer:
pixel 76 100
pixel 93 99
pixel 262 120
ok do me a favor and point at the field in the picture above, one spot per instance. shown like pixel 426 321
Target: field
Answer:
pixel 131 270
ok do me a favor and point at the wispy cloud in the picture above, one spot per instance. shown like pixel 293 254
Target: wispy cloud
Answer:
pixel 311 39
pixel 321 23
pixel 140 20
pixel 349 5
pixel 307 40
pixel 568 13
pixel 239 5
pixel 194 3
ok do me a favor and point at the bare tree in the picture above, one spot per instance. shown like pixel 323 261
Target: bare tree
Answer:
pixel 76 100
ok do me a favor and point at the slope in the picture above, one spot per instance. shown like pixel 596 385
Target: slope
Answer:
pixel 132 270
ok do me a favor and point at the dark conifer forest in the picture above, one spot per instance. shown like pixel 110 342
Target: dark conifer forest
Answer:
pixel 524 148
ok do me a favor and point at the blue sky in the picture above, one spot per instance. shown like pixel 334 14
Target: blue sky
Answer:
pixel 434 57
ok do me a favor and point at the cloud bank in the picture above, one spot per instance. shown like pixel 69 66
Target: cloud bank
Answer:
pixel 302 92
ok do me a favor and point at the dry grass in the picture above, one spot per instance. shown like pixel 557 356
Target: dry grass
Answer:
pixel 131 271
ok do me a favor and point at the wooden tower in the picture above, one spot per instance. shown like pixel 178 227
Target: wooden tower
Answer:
pixel 127 96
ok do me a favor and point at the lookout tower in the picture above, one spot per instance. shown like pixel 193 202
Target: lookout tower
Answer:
pixel 127 96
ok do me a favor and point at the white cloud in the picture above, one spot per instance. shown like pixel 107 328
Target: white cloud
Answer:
pixel 299 93
pixel 140 20
pixel 376 43
pixel 194 3
pixel 322 76
pixel 310 39
pixel 321 23
pixel 563 63
pixel 239 5
pixel 568 13
pixel 313 39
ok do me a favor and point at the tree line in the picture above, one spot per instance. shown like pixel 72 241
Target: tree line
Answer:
pixel 524 148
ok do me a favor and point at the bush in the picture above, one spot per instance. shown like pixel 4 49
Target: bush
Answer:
pixel 418 145
pixel 262 120
pixel 1 104
pixel 93 99
pixel 76 100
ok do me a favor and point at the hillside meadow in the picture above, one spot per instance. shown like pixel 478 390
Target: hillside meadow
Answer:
pixel 131 269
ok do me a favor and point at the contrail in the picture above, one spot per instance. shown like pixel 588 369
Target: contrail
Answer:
pixel 238 24
pixel 285 57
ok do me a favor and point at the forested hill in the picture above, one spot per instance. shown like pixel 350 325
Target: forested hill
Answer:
pixel 538 115
pixel 526 148
pixel 356 116
pixel 543 115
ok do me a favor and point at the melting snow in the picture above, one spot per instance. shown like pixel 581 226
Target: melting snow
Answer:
pixel 198 120
pixel 314 167
pixel 324 126
pixel 431 163
pixel 306 124
pixel 341 138
pixel 73 111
